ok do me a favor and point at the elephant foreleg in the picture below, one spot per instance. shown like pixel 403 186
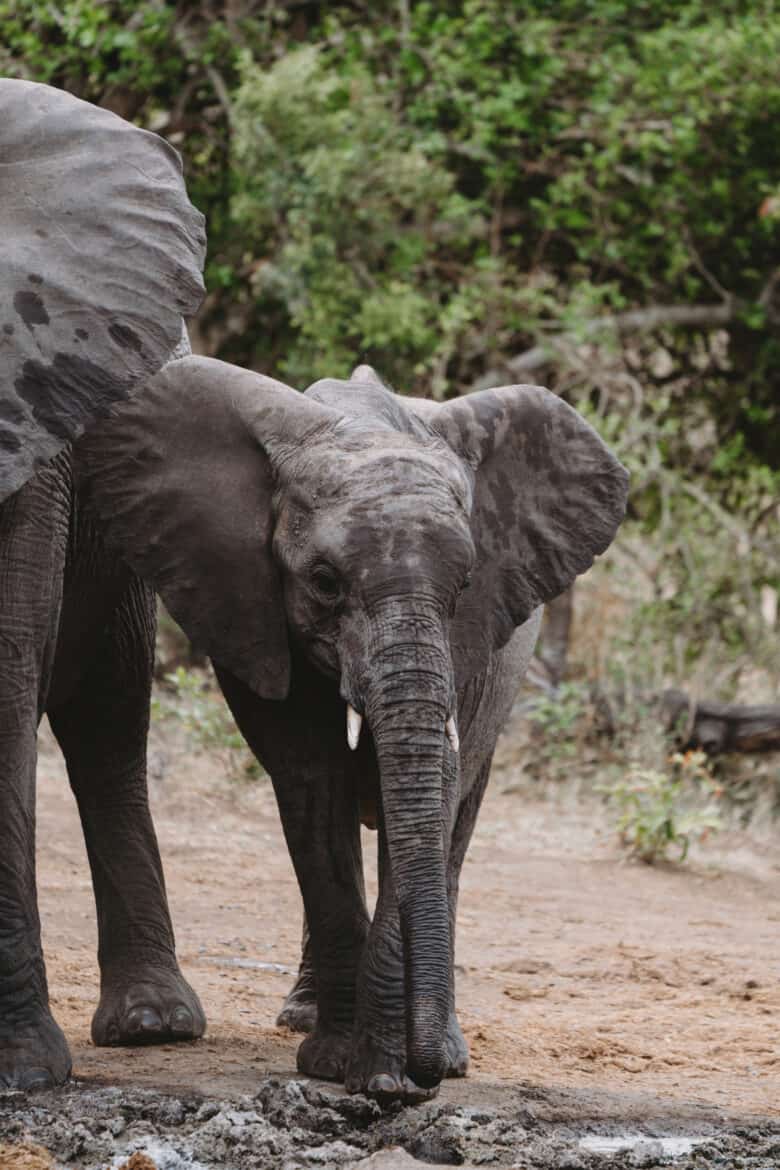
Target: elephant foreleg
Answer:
pixel 301 744
pixel 378 1055
pixel 33 532
pixel 299 1010
pixel 102 729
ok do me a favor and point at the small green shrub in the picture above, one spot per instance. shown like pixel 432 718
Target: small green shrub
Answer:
pixel 190 698
pixel 560 718
pixel 660 810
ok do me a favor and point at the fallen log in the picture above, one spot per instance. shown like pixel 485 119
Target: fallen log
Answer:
pixel 710 726
pixel 721 727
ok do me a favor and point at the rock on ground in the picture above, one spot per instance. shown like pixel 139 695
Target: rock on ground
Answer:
pixel 294 1124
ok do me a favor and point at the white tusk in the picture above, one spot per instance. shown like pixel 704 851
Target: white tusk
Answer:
pixel 452 733
pixel 354 723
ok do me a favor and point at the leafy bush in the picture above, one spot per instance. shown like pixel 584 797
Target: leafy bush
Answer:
pixel 438 189
pixel 190 699
pixel 561 722
pixel 661 810
pixel 344 206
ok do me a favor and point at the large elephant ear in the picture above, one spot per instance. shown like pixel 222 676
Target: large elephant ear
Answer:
pixel 182 479
pixel 100 258
pixel 548 497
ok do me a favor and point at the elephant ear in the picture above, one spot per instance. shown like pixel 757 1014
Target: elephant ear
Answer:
pixel 548 497
pixel 182 482
pixel 101 257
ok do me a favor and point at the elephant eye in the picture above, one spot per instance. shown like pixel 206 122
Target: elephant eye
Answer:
pixel 466 582
pixel 326 582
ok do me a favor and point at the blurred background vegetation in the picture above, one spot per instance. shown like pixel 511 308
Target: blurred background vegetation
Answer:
pixel 584 193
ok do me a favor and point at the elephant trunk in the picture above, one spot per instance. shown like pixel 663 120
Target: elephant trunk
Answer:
pixel 407 706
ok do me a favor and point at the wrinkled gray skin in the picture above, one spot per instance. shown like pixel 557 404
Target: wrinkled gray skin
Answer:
pixel 365 549
pixel 343 546
pixel 100 254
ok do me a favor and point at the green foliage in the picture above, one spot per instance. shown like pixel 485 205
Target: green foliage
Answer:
pixel 87 46
pixel 435 188
pixel 704 535
pixel 190 699
pixel 560 717
pixel 341 199
pixel 661 810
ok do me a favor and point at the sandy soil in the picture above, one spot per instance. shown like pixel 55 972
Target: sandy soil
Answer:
pixel 618 989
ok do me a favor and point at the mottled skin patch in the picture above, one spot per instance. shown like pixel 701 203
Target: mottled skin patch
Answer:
pixel 9 440
pixel 57 393
pixel 73 258
pixel 30 308
pixel 126 337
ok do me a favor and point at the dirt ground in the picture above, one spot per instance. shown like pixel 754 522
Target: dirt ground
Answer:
pixel 603 1001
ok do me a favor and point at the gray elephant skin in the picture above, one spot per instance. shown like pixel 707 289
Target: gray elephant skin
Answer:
pixel 365 570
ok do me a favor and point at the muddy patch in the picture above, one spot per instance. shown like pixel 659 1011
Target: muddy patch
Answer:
pixel 294 1123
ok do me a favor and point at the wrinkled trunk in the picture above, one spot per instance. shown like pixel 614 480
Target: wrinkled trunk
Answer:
pixel 407 704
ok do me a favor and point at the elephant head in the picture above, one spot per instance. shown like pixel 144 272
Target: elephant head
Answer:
pixel 397 543
pixel 101 258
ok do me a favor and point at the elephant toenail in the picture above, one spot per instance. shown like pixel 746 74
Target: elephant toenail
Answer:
pixel 181 1021
pixel 142 1020
pixel 113 1034
pixel 383 1085
pixel 36 1078
pixel 414 1095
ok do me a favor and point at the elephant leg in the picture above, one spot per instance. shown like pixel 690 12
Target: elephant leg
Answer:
pixel 322 829
pixel 299 1010
pixel 102 728
pixel 33 535
pixel 377 1059
pixel 300 742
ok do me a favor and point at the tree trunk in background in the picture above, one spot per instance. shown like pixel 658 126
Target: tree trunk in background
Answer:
pixel 721 727
pixel 555 635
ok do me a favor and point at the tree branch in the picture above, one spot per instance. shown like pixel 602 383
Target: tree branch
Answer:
pixel 187 41
pixel 633 321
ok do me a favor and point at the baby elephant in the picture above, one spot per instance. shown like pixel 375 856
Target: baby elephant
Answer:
pixel 368 571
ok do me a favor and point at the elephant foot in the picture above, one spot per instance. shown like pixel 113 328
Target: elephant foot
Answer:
pixel 299 1011
pixel 34 1056
pixel 457 1049
pixel 152 1006
pixel 323 1054
pixel 379 1071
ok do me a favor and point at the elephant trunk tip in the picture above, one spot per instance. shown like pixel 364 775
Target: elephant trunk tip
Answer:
pixel 426 1065
pixel 426 1054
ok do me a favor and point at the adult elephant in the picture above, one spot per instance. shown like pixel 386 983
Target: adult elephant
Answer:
pixel 343 555
pixel 100 256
